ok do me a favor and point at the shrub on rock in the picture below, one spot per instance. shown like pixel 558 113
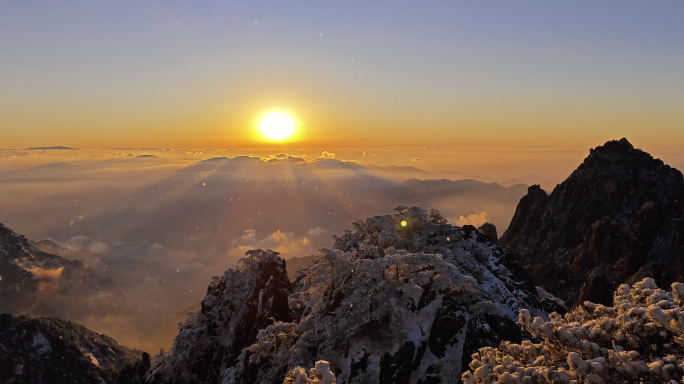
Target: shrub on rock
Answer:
pixel 640 339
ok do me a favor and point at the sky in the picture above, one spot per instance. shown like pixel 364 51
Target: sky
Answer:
pixel 353 74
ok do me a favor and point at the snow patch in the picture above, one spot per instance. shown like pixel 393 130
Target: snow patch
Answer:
pixel 41 345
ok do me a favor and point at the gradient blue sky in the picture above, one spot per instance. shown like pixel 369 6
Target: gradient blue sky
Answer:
pixel 182 73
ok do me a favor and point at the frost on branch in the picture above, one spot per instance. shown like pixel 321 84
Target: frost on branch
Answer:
pixel 320 374
pixel 640 339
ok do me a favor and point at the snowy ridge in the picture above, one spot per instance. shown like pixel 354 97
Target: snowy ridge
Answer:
pixel 389 303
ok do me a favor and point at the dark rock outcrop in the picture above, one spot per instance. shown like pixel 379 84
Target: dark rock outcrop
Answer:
pixel 619 217
pixel 489 229
pixel 56 351
pixel 397 368
pixel 448 322
pixel 487 330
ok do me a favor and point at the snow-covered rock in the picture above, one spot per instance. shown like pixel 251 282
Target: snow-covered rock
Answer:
pixel 403 298
pixel 320 374
pixel 238 305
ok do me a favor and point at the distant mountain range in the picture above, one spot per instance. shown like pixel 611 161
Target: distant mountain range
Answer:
pixel 530 179
pixel 58 147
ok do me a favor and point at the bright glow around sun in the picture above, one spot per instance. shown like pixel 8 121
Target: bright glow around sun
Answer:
pixel 277 126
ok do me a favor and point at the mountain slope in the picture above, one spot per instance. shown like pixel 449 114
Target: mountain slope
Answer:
pixel 56 351
pixel 44 284
pixel 618 218
pixel 390 303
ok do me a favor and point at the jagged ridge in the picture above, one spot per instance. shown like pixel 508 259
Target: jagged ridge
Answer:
pixel 618 218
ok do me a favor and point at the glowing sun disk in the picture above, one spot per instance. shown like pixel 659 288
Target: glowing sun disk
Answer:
pixel 277 126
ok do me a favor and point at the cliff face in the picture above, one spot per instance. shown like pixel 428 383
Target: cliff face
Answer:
pixel 237 305
pixel 618 218
pixel 389 303
pixel 52 350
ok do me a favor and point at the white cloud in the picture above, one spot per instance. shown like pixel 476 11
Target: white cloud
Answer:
pixel 316 231
pixel 476 219
pixel 81 242
pixel 76 219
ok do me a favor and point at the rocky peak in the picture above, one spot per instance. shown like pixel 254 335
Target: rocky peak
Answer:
pixel 237 306
pixel 529 209
pixel 613 148
pixel 489 229
pixel 620 211
pixel 401 298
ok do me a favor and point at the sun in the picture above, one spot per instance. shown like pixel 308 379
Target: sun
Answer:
pixel 277 126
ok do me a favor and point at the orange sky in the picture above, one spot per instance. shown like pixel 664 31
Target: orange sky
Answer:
pixel 357 75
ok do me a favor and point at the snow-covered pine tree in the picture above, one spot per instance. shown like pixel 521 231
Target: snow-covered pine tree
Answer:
pixel 640 339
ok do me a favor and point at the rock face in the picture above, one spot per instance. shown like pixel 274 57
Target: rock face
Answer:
pixel 618 218
pixel 43 284
pixel 387 304
pixel 489 229
pixel 52 350
pixel 238 305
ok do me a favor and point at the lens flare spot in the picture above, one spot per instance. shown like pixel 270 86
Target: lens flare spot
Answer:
pixel 403 223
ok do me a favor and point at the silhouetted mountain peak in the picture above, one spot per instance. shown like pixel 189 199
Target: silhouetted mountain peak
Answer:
pixel 614 151
pixel 620 211
pixel 621 156
pixel 614 146
pixel 535 190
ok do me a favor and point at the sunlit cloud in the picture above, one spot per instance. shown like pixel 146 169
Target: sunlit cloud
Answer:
pixel 476 219
pixel 283 242
pixel 41 273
